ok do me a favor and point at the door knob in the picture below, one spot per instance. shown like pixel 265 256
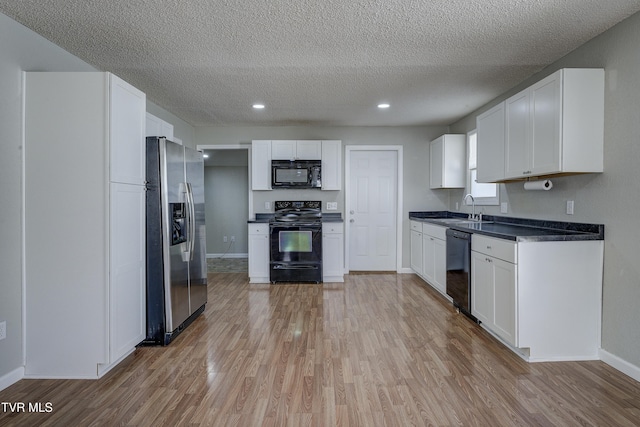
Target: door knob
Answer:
pixel 352 220
pixel 351 212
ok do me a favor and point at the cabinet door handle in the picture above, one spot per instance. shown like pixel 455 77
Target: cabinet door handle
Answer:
pixel 489 247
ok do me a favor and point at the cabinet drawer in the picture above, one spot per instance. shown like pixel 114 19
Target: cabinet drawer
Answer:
pixel 332 228
pixel 416 225
pixel 498 248
pixel 436 231
pixel 259 229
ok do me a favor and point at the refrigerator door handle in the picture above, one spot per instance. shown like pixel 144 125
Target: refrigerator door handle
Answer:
pixel 191 221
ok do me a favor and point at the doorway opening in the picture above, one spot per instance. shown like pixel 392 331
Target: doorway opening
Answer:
pixel 226 206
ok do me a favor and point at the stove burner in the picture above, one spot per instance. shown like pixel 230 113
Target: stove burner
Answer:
pixel 298 212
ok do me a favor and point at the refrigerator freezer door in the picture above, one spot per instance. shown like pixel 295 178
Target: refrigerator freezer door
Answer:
pixel 177 277
pixel 198 265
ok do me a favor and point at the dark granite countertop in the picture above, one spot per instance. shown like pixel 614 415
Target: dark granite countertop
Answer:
pixel 517 229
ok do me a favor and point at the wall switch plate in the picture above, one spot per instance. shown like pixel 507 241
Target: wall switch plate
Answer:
pixel 504 207
pixel 224 239
pixel 3 330
pixel 569 207
pixel 332 206
pixel 233 238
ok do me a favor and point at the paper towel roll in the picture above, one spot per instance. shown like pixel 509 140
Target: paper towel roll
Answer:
pixel 543 184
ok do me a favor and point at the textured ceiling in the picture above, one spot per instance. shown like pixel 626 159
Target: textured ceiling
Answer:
pixel 320 62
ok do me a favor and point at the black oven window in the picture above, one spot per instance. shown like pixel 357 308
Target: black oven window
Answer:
pixel 295 241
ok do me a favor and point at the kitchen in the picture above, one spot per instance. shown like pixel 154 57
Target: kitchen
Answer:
pixel 599 198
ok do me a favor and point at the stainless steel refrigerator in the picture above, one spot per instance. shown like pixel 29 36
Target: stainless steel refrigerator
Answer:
pixel 176 252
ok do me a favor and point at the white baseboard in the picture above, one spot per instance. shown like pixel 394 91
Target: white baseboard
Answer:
pixel 11 378
pixel 620 364
pixel 405 270
pixel 228 255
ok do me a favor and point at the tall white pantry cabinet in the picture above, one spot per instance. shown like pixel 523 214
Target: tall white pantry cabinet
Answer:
pixel 84 223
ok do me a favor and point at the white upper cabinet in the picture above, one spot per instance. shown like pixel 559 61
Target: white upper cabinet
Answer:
pixel 261 165
pixel 296 150
pixel 283 150
pixel 331 165
pixel 127 132
pixel 490 152
pixel 448 162
pixel 556 126
pixel 158 127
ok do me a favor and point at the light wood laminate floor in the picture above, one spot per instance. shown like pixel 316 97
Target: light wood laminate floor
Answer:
pixel 380 349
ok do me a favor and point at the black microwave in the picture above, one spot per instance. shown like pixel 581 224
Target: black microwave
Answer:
pixel 296 174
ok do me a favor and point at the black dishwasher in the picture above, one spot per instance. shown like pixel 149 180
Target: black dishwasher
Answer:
pixel 459 270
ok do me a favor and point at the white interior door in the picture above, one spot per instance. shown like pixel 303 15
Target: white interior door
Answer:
pixel 372 210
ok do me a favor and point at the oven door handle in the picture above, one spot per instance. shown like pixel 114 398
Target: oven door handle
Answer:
pixel 294 267
pixel 312 227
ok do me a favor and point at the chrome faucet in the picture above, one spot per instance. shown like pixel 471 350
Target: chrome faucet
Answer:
pixel 472 215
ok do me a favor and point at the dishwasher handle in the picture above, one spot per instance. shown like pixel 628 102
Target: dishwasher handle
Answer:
pixel 458 234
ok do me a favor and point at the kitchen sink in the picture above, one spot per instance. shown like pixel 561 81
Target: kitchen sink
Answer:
pixel 454 221
pixel 451 220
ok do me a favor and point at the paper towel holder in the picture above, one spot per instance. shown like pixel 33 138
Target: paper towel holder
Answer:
pixel 543 184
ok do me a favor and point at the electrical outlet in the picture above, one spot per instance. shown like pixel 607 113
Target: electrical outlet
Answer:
pixel 569 207
pixel 332 206
pixel 504 207
pixel 233 238
pixel 3 330
pixel 267 206
pixel 224 239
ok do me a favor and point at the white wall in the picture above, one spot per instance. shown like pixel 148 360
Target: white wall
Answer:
pixel 610 198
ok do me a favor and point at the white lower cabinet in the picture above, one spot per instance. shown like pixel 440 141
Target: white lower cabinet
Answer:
pixel 493 290
pixel 434 261
pixel 416 250
pixel 259 253
pixel 332 252
pixel 429 254
pixel 543 299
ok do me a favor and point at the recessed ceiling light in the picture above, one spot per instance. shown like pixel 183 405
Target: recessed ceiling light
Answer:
pixel 258 106
pixel 383 106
